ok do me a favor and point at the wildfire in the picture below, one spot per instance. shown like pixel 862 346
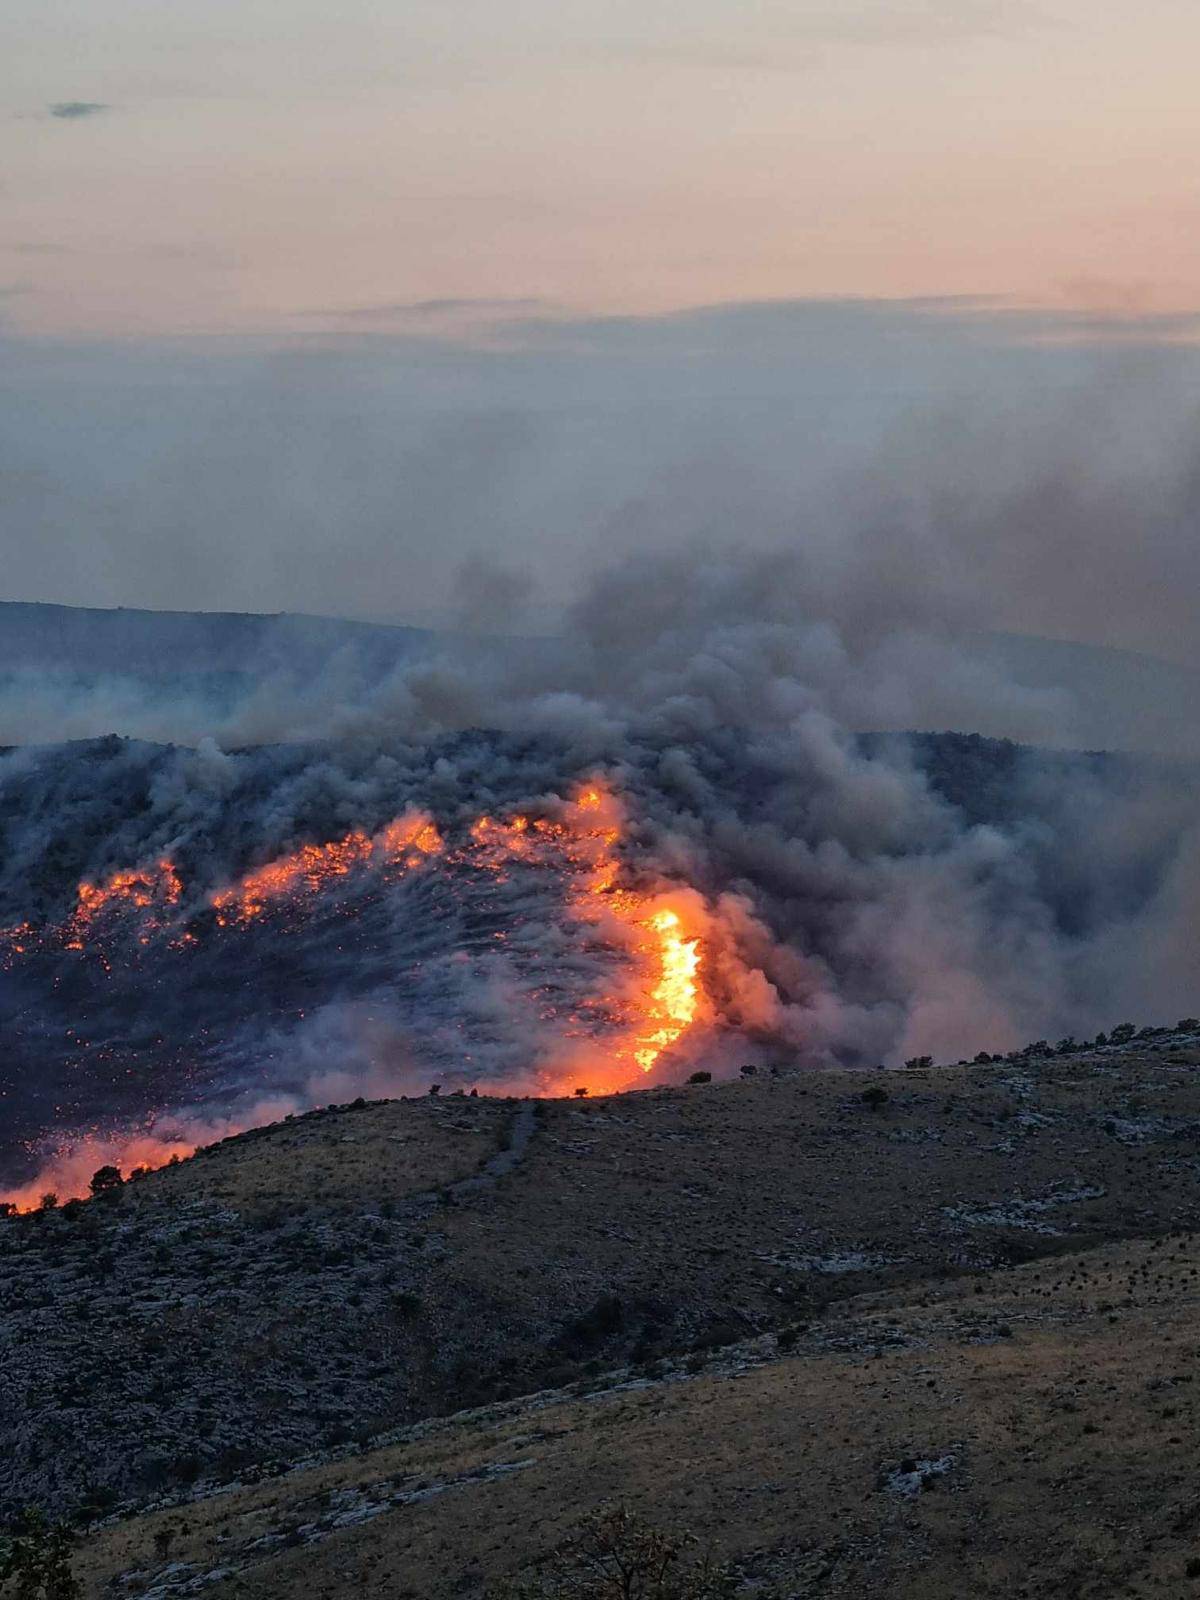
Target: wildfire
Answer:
pixel 155 890
pixel 313 868
pixel 154 895
pixel 675 995
pixel 649 939
pixel 660 995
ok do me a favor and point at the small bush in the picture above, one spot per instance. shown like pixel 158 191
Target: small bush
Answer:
pixel 876 1097
pixel 700 1077
pixel 605 1318
pixel 407 1305
pixel 617 1556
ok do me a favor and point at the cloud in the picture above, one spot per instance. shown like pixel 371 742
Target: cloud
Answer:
pixel 75 110
pixel 354 468
pixel 811 31
pixel 445 317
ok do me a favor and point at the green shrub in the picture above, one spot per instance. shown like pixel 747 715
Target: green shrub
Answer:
pixel 35 1561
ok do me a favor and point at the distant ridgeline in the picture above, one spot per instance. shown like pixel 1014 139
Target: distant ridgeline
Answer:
pixel 204 646
pixel 1112 699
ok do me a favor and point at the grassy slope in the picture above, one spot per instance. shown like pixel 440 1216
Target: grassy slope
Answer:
pixel 1059 1395
pixel 290 1295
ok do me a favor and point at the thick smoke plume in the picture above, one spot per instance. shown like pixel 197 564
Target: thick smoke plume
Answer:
pixel 858 899
pixel 772 627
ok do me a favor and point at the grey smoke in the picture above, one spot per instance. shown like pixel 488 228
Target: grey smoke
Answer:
pixel 741 587
pixel 76 110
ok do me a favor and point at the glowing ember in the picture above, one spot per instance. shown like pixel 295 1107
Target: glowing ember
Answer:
pixel 155 890
pixel 659 996
pixel 315 867
pixel 649 940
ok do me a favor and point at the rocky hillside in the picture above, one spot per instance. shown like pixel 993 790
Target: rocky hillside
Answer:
pixel 294 1293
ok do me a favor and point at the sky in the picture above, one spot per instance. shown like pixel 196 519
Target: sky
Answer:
pixel 334 307
pixel 251 165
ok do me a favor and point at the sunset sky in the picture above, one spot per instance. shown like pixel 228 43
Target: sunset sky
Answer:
pixel 291 165
pixel 313 307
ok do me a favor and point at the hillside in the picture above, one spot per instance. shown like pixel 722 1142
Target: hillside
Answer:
pixel 985 1272
pixel 95 642
pixel 142 673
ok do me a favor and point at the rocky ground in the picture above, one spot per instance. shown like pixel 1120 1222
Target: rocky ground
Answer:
pixel 933 1346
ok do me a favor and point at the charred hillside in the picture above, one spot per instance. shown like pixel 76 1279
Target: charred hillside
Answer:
pixel 195 933
pixel 297 1290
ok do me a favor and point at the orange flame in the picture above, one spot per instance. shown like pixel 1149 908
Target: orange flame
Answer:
pixel 661 995
pixel 616 1037
pixel 407 842
pixel 155 889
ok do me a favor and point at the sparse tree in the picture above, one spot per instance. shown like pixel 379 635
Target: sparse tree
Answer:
pixel 105 1180
pixel 35 1561
pixel 615 1555
pixel 876 1097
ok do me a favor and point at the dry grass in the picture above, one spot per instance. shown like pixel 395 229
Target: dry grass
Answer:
pixel 353 1156
pixel 1069 1430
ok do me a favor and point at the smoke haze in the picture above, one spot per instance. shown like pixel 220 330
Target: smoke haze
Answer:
pixel 751 604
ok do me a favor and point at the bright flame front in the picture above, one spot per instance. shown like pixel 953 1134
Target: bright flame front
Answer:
pixel 647 940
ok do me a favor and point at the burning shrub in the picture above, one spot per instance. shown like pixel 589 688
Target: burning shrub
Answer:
pixel 106 1180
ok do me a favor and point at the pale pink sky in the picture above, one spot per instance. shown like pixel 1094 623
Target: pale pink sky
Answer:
pixel 273 165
